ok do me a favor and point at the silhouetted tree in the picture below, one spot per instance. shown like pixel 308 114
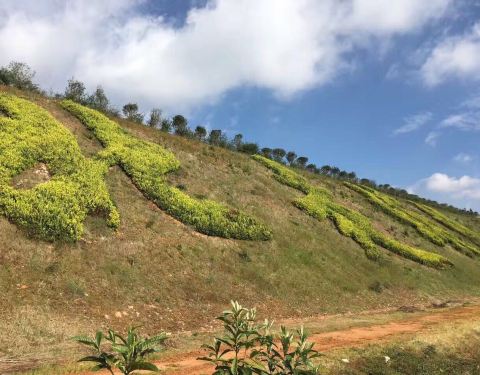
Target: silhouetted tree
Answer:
pixel 217 138
pixel 335 171
pixel 278 154
pixel 98 100
pixel 267 152
pixel 352 176
pixel 155 118
pixel 200 133
pixel 237 141
pixel 130 111
pixel 249 148
pixel 75 91
pixel 326 169
pixel 19 75
pixel 312 168
pixel 166 125
pixel 291 156
pixel 302 161
pixel 180 125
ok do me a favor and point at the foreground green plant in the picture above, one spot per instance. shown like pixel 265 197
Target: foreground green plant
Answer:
pixel 249 348
pixel 320 204
pixel 127 354
pixel 56 209
pixel 146 163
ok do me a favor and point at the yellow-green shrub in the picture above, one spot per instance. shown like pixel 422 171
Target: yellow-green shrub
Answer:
pixel 57 208
pixel 285 175
pixel 425 227
pixel 146 163
pixel 320 204
pixel 449 223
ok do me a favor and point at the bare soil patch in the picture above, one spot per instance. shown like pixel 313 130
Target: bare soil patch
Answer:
pixel 187 363
pixel 31 177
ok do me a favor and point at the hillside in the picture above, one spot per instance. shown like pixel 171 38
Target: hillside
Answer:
pixel 163 269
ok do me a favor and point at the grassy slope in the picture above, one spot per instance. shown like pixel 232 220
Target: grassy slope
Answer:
pixel 167 276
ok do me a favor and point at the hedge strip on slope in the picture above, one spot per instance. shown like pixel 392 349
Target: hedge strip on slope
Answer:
pixel 146 163
pixel 319 203
pixel 56 209
pixel 425 227
pixel 449 223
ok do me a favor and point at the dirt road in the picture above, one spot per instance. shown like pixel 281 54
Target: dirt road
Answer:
pixel 366 332
pixel 187 363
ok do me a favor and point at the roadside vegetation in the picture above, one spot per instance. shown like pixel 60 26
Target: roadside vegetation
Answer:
pixel 248 348
pixel 449 349
pixel 126 353
pixel 245 348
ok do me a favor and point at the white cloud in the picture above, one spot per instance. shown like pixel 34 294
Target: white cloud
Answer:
pixel 463 191
pixel 432 138
pixel 454 57
pixel 466 121
pixel 443 183
pixel 413 123
pixel 285 46
pixel 463 158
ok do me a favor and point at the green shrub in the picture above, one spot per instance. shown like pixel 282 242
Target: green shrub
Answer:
pixel 127 354
pixel 425 227
pixel 285 175
pixel 320 204
pixel 146 163
pixel 248 348
pixel 57 208
pixel 449 223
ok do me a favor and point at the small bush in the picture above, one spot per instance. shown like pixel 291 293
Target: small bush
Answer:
pixel 127 354
pixel 146 163
pixel 250 348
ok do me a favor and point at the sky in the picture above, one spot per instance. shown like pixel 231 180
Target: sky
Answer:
pixel 386 88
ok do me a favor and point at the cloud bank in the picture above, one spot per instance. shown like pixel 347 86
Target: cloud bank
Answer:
pixel 284 46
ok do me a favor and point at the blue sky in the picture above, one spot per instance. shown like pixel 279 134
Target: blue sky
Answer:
pixel 388 89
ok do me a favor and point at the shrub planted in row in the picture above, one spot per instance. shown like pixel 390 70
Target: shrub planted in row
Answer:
pixel 56 209
pixel 449 223
pixel 425 227
pixel 146 163
pixel 320 203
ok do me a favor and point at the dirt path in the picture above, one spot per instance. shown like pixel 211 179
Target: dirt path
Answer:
pixel 187 363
